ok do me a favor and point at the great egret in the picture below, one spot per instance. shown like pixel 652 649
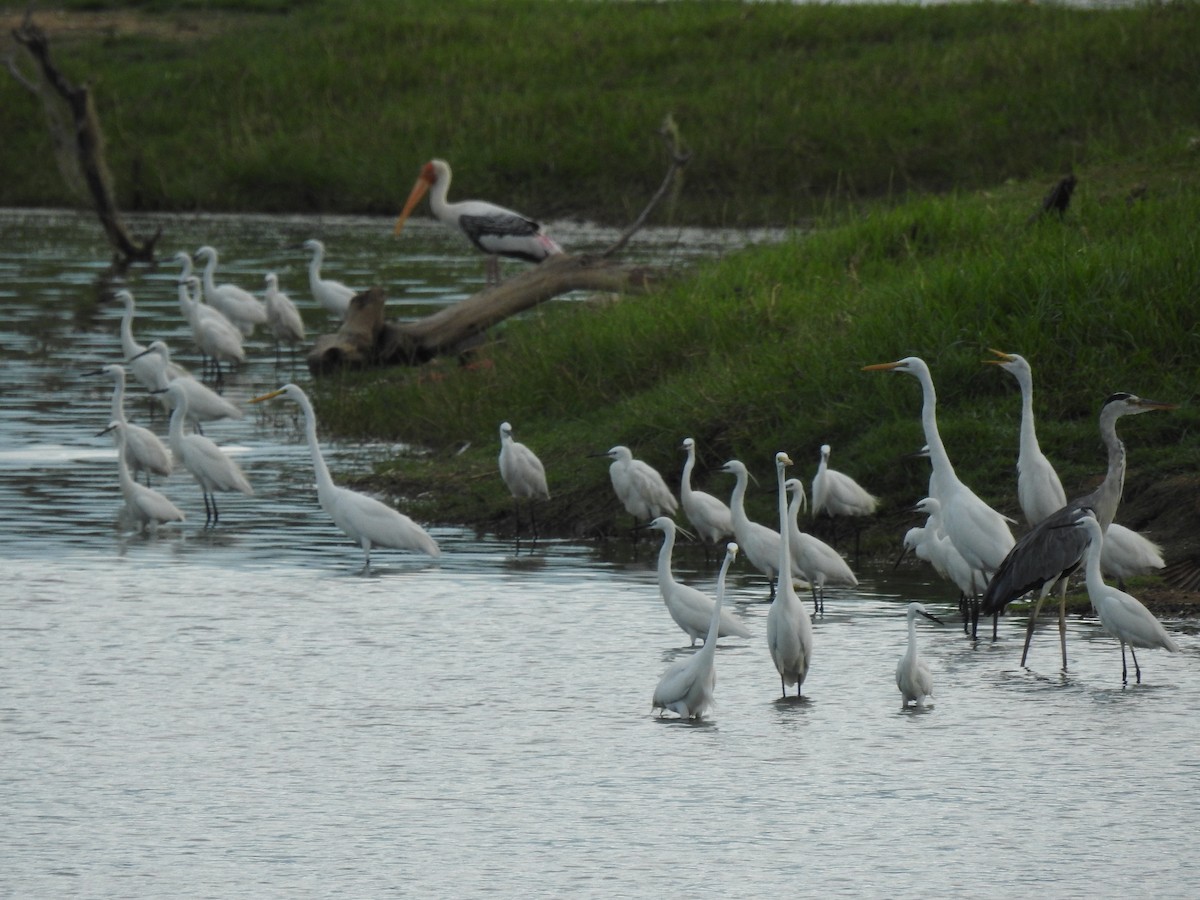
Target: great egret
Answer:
pixel 686 688
pixel 365 520
pixel 690 608
pixel 146 505
pixel 493 229
pixel 1127 554
pixel 212 469
pixel 214 335
pixel 1122 616
pixel 819 563
pixel 758 543
pixel 334 296
pixel 523 475
pixel 283 319
pixel 144 450
pixel 836 494
pixel 1049 553
pixel 204 404
pixel 638 486
pixel 977 531
pixel 709 516
pixel 912 674
pixel 789 629
pixel 241 307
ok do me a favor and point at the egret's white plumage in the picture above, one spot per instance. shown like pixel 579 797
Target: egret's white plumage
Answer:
pixel 366 521
pixel 493 229
pixel 151 372
pixel 334 296
pixel 283 319
pixel 929 542
pixel 639 487
pixel 912 674
pixel 146 505
pixel 213 334
pixel 835 493
pixel 690 608
pixel 789 629
pixel 686 688
pixel 523 474
pixel 204 404
pixel 144 450
pixel 1123 616
pixel 710 517
pixel 212 469
pixel 819 563
pixel 758 543
pixel 240 306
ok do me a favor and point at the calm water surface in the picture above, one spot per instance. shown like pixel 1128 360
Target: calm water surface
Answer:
pixel 234 712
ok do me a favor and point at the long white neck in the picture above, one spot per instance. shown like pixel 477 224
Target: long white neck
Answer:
pixel 123 476
pixel 129 346
pixel 210 268
pixel 785 553
pixel 664 557
pixel 912 638
pixel 117 413
pixel 1092 574
pixel 685 484
pixel 314 265
pixel 324 480
pixel 714 624
pixel 943 471
pixel 1029 442
pixel 175 429
pixel 187 305
pixel 794 510
pixel 737 500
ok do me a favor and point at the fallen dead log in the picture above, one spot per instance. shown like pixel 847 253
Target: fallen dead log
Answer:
pixel 366 339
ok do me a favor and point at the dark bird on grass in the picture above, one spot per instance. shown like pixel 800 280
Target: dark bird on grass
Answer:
pixel 1058 198
pixel 1048 553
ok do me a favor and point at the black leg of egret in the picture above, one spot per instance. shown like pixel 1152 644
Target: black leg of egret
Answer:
pixel 1136 667
pixel 1124 668
pixel 783 687
pixel 1062 624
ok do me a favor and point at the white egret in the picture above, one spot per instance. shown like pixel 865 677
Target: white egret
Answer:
pixel 690 608
pixel 977 531
pixel 204 404
pixel 789 629
pixel 912 674
pixel 638 486
pixel 1048 553
pixel 710 517
pixel 214 335
pixel 835 494
pixel 931 544
pixel 493 229
pixel 1127 554
pixel 686 688
pixel 146 505
pixel 144 450
pixel 334 296
pixel 758 543
pixel 819 563
pixel 152 373
pixel 366 521
pixel 212 469
pixel 241 307
pixel 523 475
pixel 1123 616
pixel 283 319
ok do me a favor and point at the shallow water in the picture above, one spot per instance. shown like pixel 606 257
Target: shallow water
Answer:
pixel 234 712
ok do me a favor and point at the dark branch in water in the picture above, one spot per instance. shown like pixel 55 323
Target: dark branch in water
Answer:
pixel 89 143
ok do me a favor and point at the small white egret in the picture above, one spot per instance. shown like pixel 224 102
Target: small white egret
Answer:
pixel 789 629
pixel 819 563
pixel 144 450
pixel 690 608
pixel 204 404
pixel 283 319
pixel 152 373
pixel 147 506
pixel 686 688
pixel 212 469
pixel 214 335
pixel 931 544
pixel 493 229
pixel 638 486
pixel 523 475
pixel 1123 616
pixel 912 674
pixel 334 296
pixel 710 517
pixel 241 307
pixel 835 494
pixel 366 521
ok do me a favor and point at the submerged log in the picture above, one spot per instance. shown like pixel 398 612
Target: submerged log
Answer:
pixel 367 339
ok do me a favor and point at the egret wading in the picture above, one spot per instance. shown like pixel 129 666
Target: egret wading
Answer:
pixel 690 608
pixel 789 629
pixel 493 229
pixel 686 688
pixel 217 339
pixel 837 495
pixel 818 562
pixel 241 307
pixel 151 372
pixel 523 475
pixel 204 404
pixel 1123 616
pixel 144 450
pixel 333 296
pixel 913 677
pixel 366 521
pixel 710 517
pixel 147 506
pixel 283 319
pixel 1048 553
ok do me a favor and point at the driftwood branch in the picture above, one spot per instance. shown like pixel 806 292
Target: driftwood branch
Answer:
pixel 367 339
pixel 89 143
pixel 678 159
